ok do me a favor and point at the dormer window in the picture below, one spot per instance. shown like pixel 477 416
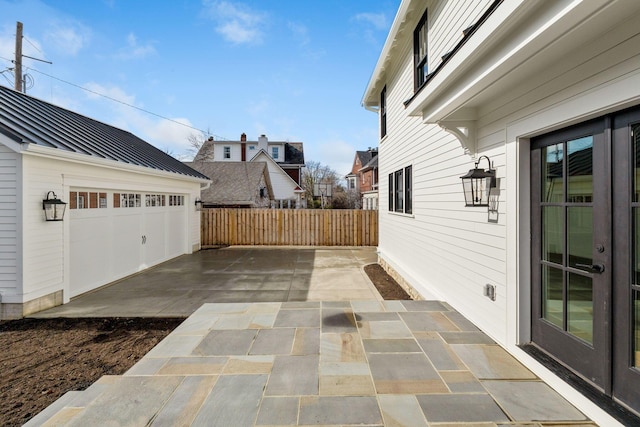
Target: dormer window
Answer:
pixel 420 50
pixel 227 152
pixel 274 152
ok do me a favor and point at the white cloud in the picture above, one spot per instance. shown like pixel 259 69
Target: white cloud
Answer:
pixel 168 135
pixel 98 91
pixel 68 38
pixel 133 50
pixel 378 20
pixel 300 33
pixel 337 154
pixel 237 23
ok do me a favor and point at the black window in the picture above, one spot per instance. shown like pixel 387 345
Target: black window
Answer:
pixel 400 191
pixel 391 206
pixel 383 112
pixel 420 52
pixel 407 189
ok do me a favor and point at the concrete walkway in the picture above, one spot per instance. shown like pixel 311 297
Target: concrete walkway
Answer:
pixel 237 274
pixel 347 358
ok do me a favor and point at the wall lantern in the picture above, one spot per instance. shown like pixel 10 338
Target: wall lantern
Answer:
pixel 53 208
pixel 477 184
pixel 198 204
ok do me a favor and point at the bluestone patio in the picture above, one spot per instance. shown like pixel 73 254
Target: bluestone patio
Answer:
pixel 301 337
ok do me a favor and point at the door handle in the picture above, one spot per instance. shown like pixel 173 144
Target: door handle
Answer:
pixel 596 268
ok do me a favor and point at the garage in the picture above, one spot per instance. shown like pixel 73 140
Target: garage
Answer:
pixel 129 205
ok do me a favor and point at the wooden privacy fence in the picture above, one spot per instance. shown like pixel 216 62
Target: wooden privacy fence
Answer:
pixel 299 227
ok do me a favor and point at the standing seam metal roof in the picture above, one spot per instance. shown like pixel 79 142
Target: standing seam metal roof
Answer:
pixel 44 124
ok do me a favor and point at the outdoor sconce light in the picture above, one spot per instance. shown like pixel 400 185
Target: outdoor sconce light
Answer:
pixel 477 184
pixel 198 204
pixel 53 208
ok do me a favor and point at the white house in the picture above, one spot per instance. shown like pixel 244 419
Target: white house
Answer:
pixel 547 95
pixel 128 205
pixel 284 160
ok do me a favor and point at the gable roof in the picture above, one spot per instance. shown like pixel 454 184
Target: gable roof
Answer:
pixel 29 120
pixel 279 169
pixel 366 156
pixel 371 164
pixel 233 183
pixel 293 151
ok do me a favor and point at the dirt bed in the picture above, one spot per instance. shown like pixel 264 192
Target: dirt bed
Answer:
pixel 42 359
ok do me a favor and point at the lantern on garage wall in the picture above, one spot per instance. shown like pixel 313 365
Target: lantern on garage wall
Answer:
pixel 53 208
pixel 198 204
pixel 477 184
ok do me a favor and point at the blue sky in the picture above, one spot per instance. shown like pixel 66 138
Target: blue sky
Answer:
pixel 294 70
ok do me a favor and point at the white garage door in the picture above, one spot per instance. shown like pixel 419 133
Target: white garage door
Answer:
pixel 115 234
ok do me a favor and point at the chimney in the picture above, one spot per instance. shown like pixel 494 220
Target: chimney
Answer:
pixel 243 137
pixel 263 142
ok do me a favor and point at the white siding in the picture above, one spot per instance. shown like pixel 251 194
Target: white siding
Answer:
pixel 9 223
pixel 281 183
pixel 447 20
pixel 443 249
pixel 449 251
pixel 46 263
pixel 218 152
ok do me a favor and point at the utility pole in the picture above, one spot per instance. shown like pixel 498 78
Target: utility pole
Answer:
pixel 18 61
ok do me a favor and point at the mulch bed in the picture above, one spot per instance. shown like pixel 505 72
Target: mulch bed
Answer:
pixel 42 359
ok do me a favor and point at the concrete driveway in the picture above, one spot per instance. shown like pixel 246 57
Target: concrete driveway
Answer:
pixel 180 286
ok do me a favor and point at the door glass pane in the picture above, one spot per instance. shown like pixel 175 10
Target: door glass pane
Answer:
pixel 552 173
pixel 552 234
pixel 580 307
pixel 552 304
pixel 635 135
pixel 636 329
pixel 635 278
pixel 580 170
pixel 635 268
pixel 580 236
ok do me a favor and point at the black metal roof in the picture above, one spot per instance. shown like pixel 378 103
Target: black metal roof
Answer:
pixel 38 122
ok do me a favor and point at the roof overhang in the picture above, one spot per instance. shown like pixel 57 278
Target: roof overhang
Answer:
pixel 522 36
pixel 517 41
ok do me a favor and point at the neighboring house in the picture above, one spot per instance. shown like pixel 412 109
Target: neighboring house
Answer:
pixel 284 160
pixel 550 93
pixel 235 184
pixel 363 178
pixel 128 205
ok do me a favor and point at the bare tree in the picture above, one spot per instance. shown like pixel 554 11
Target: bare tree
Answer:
pixel 200 146
pixel 317 173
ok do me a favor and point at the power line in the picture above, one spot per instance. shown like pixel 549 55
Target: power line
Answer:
pixel 218 137
pixel 121 102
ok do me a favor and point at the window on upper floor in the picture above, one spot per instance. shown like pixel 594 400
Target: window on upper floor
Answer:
pixel 421 68
pixel 274 152
pixel 227 152
pixel 383 112
pixel 400 191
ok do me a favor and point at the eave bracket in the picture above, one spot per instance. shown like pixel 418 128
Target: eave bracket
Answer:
pixel 465 132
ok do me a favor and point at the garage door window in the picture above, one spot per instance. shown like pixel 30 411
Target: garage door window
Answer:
pixel 152 200
pixel 175 200
pixel 127 200
pixel 87 200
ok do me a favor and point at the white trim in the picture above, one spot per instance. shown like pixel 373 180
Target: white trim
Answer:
pixel 55 153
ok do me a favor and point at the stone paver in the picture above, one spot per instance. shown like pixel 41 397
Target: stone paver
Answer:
pixel 320 363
